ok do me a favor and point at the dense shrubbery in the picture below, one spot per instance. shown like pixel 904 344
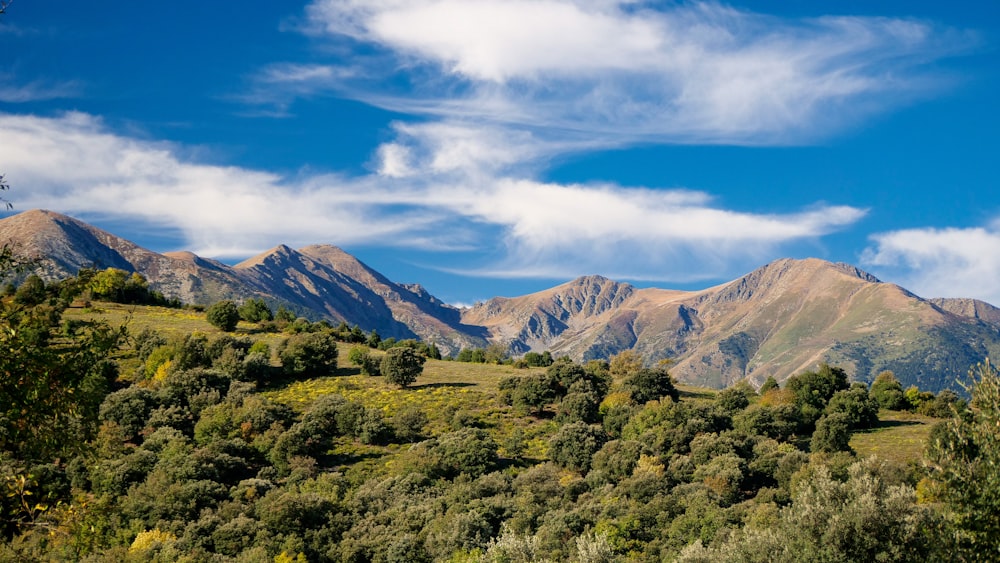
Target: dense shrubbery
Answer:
pixel 195 454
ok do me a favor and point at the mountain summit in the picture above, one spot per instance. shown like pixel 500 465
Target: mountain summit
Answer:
pixel 781 319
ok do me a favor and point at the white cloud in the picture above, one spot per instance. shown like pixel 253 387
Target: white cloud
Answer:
pixel 949 262
pixel 626 72
pixel 14 91
pixel 524 227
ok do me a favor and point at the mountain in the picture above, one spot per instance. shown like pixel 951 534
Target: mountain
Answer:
pixel 779 320
pixel 317 281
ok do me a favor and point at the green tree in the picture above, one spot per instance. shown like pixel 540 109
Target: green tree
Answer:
pixel 650 384
pixel 770 383
pixel 833 434
pixel 575 444
pixel 888 391
pixel 223 315
pixel 965 454
pixel 31 292
pixel 532 392
pixel 255 310
pixel 50 388
pixel 313 353
pixel 402 366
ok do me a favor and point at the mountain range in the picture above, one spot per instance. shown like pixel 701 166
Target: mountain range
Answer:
pixel 781 319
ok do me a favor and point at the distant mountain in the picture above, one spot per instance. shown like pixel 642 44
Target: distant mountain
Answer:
pixel 318 281
pixel 779 320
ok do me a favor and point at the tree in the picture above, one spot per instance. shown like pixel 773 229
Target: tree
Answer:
pixel 966 460
pixel 255 310
pixel 888 391
pixel 833 434
pixel 402 366
pixel 649 384
pixel 313 353
pixel 575 444
pixel 223 315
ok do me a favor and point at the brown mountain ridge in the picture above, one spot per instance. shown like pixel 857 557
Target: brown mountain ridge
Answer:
pixel 781 319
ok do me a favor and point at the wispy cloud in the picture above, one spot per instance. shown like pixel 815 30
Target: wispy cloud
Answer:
pixel 523 227
pixel 935 262
pixel 14 91
pixel 622 71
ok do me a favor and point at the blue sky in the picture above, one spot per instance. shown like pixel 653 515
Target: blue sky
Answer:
pixel 499 147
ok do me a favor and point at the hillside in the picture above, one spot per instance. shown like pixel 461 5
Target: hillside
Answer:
pixel 779 320
pixel 320 281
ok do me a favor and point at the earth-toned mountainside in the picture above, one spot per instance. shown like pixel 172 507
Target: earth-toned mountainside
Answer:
pixel 64 245
pixel 327 280
pixel 779 320
pixel 318 281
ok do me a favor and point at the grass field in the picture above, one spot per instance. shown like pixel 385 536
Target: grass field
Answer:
pixel 899 437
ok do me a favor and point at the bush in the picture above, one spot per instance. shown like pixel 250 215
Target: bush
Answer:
pixel 255 311
pixel 888 392
pixel 313 353
pixel 833 434
pixel 223 315
pixel 650 384
pixel 575 444
pixel 402 366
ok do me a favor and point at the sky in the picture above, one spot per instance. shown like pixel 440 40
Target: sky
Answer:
pixel 501 147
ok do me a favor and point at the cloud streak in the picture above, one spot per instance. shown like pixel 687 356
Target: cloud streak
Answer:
pixel 936 262
pixel 519 227
pixel 624 72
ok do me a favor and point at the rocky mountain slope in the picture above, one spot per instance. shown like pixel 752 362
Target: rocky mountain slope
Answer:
pixel 779 320
pixel 317 281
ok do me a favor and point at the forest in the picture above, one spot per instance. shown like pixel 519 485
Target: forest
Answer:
pixel 144 432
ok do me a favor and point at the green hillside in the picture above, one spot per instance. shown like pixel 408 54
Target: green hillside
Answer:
pixel 200 452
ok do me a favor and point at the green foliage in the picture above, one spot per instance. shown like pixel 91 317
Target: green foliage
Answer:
pixel 575 444
pixel 51 389
pixel 770 383
pixel 255 310
pixel 223 315
pixel 313 354
pixel 888 391
pixel 865 518
pixel 966 456
pixel 860 408
pixel 833 434
pixel 650 384
pixel 401 366
pixel 534 359
pixel 31 292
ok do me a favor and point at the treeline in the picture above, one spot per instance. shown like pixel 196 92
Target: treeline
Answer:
pixel 112 284
pixel 193 453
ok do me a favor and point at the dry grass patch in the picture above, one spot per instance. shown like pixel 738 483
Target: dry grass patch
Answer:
pixel 900 436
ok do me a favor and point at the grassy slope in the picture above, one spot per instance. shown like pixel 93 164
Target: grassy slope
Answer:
pixel 446 388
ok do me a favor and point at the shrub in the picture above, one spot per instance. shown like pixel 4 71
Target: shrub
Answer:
pixel 312 353
pixel 223 315
pixel 255 311
pixel 402 366
pixel 575 444
pixel 888 391
pixel 650 384
pixel 833 434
